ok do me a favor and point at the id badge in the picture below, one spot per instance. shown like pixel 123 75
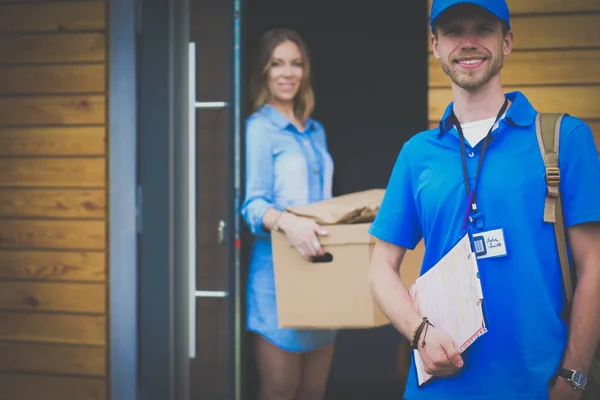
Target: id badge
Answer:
pixel 489 243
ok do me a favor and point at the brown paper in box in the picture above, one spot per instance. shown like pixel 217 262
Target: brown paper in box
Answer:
pixel 335 294
pixel 347 209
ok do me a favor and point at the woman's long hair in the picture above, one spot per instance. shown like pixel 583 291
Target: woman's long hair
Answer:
pixel 304 101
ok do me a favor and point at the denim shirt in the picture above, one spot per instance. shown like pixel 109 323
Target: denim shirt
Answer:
pixel 284 167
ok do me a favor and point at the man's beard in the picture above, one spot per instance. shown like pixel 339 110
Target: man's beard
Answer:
pixel 472 80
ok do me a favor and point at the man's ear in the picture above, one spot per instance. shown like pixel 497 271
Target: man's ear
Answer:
pixel 434 46
pixel 507 46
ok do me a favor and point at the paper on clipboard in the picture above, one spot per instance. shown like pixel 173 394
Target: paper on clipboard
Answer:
pixel 450 296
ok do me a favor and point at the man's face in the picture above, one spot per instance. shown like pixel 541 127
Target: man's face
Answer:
pixel 471 48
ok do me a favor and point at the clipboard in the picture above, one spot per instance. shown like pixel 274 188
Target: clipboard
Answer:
pixel 451 297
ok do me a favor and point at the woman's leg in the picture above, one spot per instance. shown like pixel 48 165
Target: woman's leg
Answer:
pixel 279 371
pixel 316 366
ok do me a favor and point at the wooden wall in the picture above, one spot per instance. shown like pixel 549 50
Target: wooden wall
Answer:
pixel 53 292
pixel 555 62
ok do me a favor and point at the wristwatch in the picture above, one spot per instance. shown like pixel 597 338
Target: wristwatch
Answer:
pixel 577 378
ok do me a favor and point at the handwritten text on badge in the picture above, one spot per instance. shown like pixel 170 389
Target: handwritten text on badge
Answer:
pixel 489 244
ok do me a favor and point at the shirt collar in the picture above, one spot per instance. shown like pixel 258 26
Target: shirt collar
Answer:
pixel 521 113
pixel 279 120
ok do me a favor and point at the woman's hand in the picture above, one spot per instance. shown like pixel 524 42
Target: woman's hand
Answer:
pixel 303 234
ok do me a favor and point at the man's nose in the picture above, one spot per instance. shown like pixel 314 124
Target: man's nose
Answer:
pixel 468 46
pixel 469 41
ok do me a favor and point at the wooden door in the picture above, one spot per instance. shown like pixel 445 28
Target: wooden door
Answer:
pixel 213 372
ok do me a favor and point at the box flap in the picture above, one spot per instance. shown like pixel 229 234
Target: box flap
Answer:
pixel 346 209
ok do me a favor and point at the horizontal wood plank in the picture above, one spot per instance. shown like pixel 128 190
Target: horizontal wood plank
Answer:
pixel 543 32
pixel 52 79
pixel 557 31
pixel 52 110
pixel 52 358
pixel 537 68
pixel 518 7
pixel 53 265
pixel 53 296
pixel 29 387
pixel 68 203
pixel 59 234
pixel 53 48
pixel 55 141
pixel 51 172
pixel 582 102
pixel 53 17
pixel 53 328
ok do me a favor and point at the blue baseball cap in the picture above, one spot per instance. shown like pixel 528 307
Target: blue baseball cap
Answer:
pixel 498 8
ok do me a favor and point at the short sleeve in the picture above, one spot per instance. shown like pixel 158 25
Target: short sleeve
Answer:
pixel 580 173
pixel 397 220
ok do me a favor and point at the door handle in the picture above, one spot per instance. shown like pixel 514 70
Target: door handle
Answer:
pixel 221 232
pixel 191 200
pixel 194 294
pixel 211 293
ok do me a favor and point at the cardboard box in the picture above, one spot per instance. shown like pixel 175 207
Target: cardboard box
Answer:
pixel 334 294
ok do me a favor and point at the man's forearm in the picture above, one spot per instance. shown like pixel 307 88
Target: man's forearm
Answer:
pixel 392 297
pixel 584 329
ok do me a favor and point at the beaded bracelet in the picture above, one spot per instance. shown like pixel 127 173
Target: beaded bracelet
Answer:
pixel 416 333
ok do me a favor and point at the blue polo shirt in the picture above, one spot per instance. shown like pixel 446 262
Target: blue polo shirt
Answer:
pixel 426 198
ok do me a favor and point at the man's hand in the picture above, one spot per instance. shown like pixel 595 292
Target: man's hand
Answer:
pixel 440 356
pixel 563 390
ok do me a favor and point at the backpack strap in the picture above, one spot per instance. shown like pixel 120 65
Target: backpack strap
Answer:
pixel 547 127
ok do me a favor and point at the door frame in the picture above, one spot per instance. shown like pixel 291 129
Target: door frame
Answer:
pixel 163 37
pixel 121 131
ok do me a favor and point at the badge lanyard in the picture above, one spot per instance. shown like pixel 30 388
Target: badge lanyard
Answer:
pixel 471 193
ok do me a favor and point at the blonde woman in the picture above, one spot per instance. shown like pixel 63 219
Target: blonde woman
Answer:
pixel 287 163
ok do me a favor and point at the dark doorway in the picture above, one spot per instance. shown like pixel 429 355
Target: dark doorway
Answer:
pixel 370 79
